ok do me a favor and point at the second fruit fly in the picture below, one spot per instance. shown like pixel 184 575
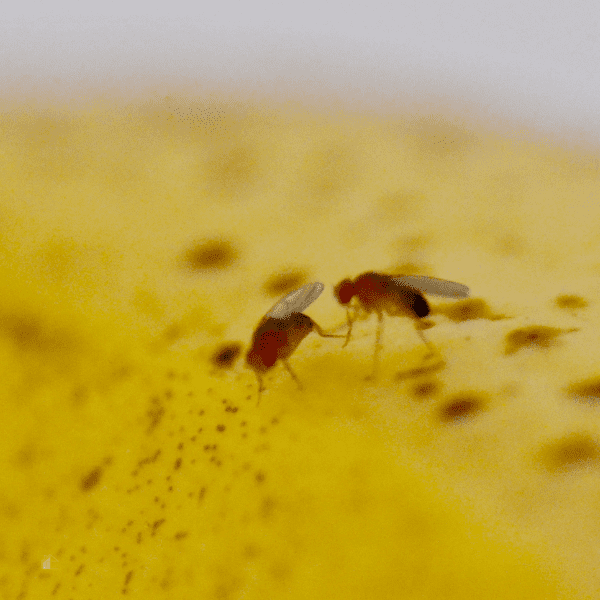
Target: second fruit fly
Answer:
pixel 396 295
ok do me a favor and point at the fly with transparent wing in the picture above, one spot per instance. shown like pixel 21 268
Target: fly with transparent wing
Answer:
pixel 396 295
pixel 281 330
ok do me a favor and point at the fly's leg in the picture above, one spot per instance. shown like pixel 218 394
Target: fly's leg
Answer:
pixel 261 387
pixel 323 334
pixel 350 323
pixel 294 377
pixel 377 351
pixel 425 341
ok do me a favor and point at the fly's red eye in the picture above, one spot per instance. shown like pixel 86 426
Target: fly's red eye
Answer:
pixel 344 291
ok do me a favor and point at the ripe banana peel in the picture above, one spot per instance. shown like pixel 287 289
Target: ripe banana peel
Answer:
pixel 142 245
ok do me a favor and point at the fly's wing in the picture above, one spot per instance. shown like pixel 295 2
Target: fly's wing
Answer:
pixel 431 285
pixel 296 301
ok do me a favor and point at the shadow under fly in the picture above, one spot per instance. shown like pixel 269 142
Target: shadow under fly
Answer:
pixel 281 330
pixel 396 295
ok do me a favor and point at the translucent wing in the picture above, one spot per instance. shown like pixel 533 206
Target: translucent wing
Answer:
pixel 431 285
pixel 296 301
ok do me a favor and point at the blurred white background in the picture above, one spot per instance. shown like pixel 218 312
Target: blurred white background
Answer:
pixel 530 64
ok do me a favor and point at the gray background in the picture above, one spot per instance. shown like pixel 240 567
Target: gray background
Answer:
pixel 531 64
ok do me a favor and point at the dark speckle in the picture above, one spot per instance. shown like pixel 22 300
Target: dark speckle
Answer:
pixel 221 428
pixel 570 302
pixel 156 525
pixel 27 456
pixel 259 476
pixel 149 459
pixel 267 507
pixel 226 355
pixel 437 138
pixel 573 451
pixel 585 391
pixel 128 577
pixel 468 310
pixel 173 332
pixel 156 412
pixel 329 172
pixel 231 409
pixel 211 255
pixel 232 169
pixel 79 569
pixel 91 479
pixel 251 551
pixel 282 283
pixel 460 408
pixel 181 535
pixel 536 336
pixel 29 333
pixel 177 464
pixel 166 582
pixel 280 571
pixel 420 371
pixel 425 389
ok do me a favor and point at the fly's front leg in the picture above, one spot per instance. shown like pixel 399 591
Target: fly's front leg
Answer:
pixel 261 387
pixel 350 323
pixel 377 351
pixel 294 377
pixel 425 341
pixel 323 334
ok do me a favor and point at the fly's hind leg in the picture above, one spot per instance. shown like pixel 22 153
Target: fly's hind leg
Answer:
pixel 429 345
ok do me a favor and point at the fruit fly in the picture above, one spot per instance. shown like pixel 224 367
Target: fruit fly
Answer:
pixel 281 330
pixel 396 295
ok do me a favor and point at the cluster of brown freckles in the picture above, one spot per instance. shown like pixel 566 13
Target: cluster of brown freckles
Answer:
pixel 282 329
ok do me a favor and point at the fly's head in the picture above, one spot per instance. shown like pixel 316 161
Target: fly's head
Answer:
pixel 344 291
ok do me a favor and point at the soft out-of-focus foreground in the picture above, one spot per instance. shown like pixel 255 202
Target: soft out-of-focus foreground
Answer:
pixel 140 247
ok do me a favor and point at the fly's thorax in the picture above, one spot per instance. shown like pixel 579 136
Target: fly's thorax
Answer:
pixel 372 288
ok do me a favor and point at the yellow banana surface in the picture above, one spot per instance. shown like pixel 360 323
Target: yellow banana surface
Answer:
pixel 140 247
